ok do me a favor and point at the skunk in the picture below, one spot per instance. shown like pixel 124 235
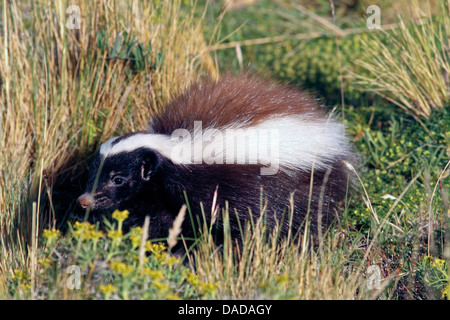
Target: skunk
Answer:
pixel 240 141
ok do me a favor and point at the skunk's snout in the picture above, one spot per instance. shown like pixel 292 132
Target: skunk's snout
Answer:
pixel 85 200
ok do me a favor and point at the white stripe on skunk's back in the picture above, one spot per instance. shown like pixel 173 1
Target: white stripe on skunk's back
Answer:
pixel 293 142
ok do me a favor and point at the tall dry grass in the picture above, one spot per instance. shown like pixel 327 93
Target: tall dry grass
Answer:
pixel 307 267
pixel 63 91
pixel 410 67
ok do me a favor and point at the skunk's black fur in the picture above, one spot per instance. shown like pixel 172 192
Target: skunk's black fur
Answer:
pixel 143 179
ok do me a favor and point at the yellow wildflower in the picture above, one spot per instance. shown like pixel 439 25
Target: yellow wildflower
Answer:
pixel 94 235
pixel 50 235
pixel 172 297
pixel 186 272
pixel 154 247
pixel 115 234
pixel 83 228
pixel 438 263
pixel 161 257
pixel 19 275
pixel 25 286
pixel 154 274
pixel 192 279
pixel 108 289
pixel 122 268
pixel 135 236
pixel 446 292
pixel 161 286
pixel 282 278
pixel 207 288
pixel 120 216
pixel 172 260
pixel 427 259
pixel 45 263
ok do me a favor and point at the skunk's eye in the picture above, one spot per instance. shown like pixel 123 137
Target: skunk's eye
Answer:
pixel 118 180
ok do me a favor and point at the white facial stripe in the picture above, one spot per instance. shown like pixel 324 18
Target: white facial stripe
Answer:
pixel 157 142
pixel 294 143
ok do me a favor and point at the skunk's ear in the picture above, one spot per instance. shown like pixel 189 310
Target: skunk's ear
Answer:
pixel 149 163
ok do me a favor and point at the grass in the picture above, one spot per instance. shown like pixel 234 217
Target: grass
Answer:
pixel 404 169
pixel 63 92
pixel 280 270
pixel 411 70
pixel 108 264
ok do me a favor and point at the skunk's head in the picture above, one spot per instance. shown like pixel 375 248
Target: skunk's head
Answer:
pixel 119 175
